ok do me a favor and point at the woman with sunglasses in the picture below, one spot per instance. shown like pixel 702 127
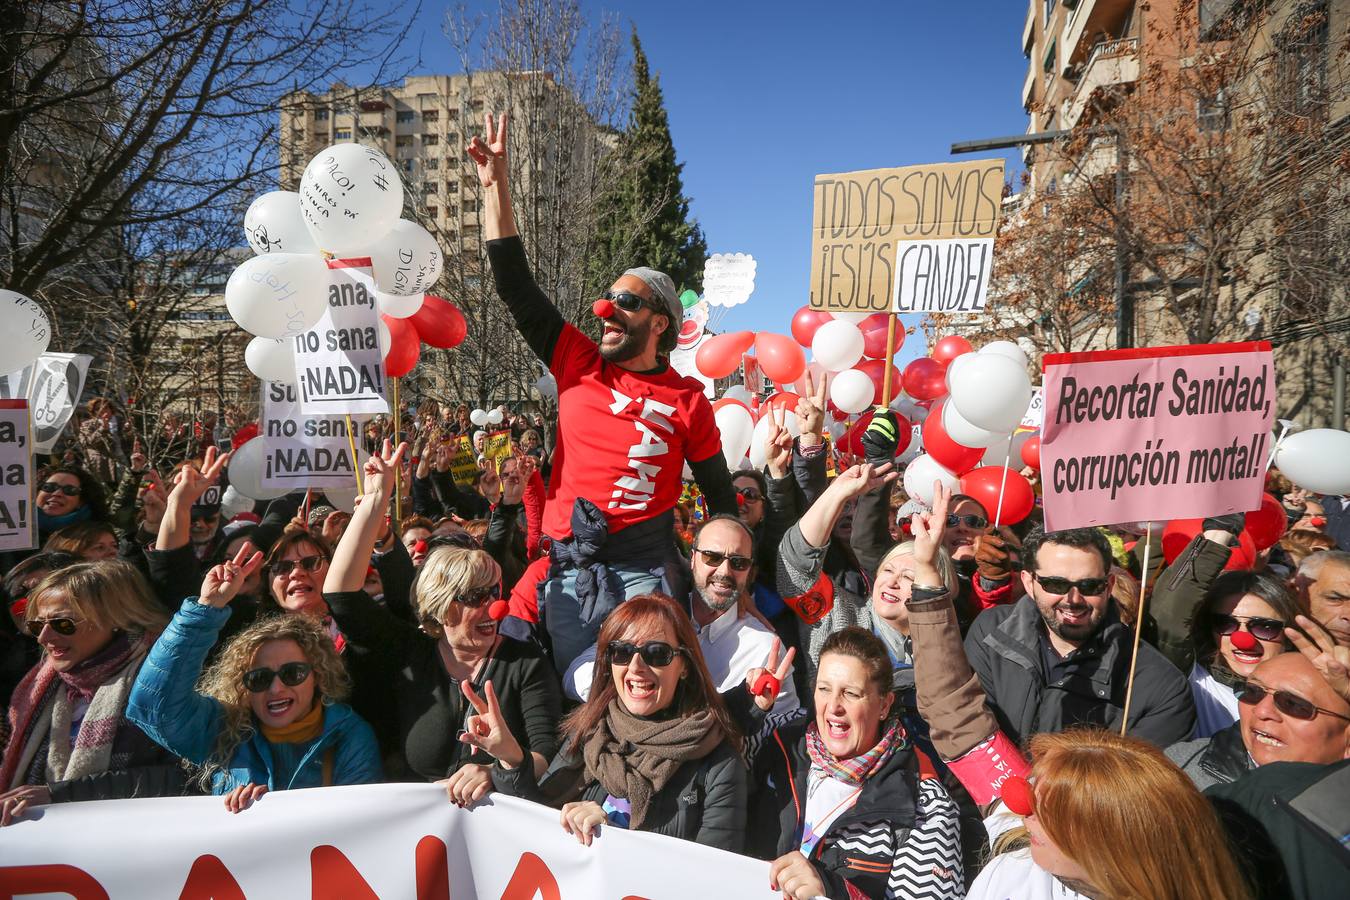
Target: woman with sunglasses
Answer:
pixel 67 495
pixel 268 715
pixel 430 672
pixel 1218 626
pixel 653 748
pixel 69 738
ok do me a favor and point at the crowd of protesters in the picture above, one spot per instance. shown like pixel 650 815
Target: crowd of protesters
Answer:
pixel 879 698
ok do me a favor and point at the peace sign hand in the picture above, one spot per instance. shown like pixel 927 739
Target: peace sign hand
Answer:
pixel 778 443
pixel 811 409
pixel 490 155
pixel 222 582
pixel 928 528
pixel 765 683
pixel 189 484
pixel 486 728
pixel 1321 649
pixel 379 470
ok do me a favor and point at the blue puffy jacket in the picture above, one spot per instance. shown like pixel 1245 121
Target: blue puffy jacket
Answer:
pixel 165 706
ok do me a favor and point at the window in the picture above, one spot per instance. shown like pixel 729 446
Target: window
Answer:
pixel 404 116
pixel 1048 64
pixel 452 187
pixel 470 205
pixel 407 164
pixel 1303 61
pixel 342 134
pixel 452 139
pixel 1212 113
pixel 430 140
pixel 452 114
pixel 320 115
pixel 403 140
pixel 433 212
pixel 478 105
pixel 1049 10
pixel 431 187
pixel 430 115
pixel 432 164
pixel 470 231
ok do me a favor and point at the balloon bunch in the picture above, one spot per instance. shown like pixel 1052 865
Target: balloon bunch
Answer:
pixel 348 206
pixel 484 418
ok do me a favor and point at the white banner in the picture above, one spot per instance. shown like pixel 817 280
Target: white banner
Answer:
pixel 373 841
pixel 16 477
pixel 338 364
pixel 943 276
pixel 302 451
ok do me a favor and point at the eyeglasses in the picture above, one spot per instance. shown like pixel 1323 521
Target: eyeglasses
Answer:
pixel 63 625
pixel 1260 628
pixel 283 567
pixel 715 559
pixel 968 521
pixel 656 654
pixel 1287 703
pixel 292 673
pixel 475 599
pixel 1088 587
pixel 55 487
pixel 750 493
pixel 626 300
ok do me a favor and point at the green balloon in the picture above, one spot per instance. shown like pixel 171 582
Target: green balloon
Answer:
pixel 688 299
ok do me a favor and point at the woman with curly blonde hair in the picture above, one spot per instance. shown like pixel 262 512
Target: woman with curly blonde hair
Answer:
pixel 266 716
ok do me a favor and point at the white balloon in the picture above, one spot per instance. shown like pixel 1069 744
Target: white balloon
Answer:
pixel 998 451
pixel 28 331
pixel 246 471
pixel 383 336
pixel 398 306
pixel 407 260
pixel 278 295
pixel 905 406
pixel 271 360
pixel 343 499
pixel 479 417
pixel 759 454
pixel 350 197
pixel 738 392
pixel 273 225
pixel 1004 348
pixel 737 427
pixel 852 317
pixel 852 391
pixel 547 386
pixel 991 392
pixel 837 345
pixel 922 473
pixel 494 417
pixel 1317 460
pixel 955 366
pixel 915 445
pixel 966 434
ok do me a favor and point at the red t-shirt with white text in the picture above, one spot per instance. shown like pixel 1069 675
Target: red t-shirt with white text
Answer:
pixel 622 437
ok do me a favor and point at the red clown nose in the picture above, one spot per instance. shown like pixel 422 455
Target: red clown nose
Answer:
pixel 1018 796
pixel 420 547
pixel 1243 640
pixel 603 309
pixel 498 610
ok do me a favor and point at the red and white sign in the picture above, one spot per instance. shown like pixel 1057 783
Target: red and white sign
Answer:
pixel 1155 433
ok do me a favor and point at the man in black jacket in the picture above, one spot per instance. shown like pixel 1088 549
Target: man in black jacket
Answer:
pixel 1060 656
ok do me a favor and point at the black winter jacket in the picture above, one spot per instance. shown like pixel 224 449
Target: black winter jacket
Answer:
pixel 1219 759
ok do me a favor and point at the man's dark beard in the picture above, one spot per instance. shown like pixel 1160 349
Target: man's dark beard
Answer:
pixel 630 346
pixel 720 581
pixel 1074 633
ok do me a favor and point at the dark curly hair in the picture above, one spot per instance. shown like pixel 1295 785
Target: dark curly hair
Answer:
pixel 91 490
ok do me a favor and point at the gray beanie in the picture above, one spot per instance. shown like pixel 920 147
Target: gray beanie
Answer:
pixel 663 289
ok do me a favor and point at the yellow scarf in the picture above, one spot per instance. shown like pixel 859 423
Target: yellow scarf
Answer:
pixel 306 728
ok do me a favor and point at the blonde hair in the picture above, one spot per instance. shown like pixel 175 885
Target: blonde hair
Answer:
pixel 224 680
pixel 108 594
pixel 1130 818
pixel 1125 591
pixel 946 568
pixel 448 574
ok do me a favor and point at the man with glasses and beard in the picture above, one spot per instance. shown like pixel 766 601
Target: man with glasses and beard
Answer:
pixel 1060 656
pixel 627 424
pixel 733 640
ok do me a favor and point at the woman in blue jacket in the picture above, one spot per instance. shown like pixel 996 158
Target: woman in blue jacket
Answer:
pixel 266 716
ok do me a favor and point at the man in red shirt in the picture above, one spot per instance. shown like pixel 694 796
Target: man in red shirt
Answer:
pixel 627 423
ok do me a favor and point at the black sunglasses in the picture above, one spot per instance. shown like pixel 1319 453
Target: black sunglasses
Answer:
pixel 656 654
pixel 750 493
pixel 1088 587
pixel 626 300
pixel 477 598
pixel 292 673
pixel 969 521
pixel 715 559
pixel 283 567
pixel 1285 702
pixel 63 625
pixel 52 487
pixel 1260 628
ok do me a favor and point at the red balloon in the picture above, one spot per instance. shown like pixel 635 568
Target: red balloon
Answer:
pixel 805 322
pixel 925 379
pixel 1268 523
pixel 1031 453
pixel 851 442
pixel 956 458
pixel 404 347
pixel 719 356
pixel 950 347
pixel 785 399
pixel 873 329
pixel 984 485
pixel 1180 532
pixel 875 369
pixel 779 358
pixel 439 323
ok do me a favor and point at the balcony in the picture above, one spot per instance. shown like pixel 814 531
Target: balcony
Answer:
pixel 1029 30
pixel 1111 63
pixel 1029 87
pixel 1088 21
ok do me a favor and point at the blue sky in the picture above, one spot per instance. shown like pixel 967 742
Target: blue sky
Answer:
pixel 763 96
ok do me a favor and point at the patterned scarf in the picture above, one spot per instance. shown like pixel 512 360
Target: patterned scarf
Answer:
pixel 634 758
pixel 857 769
pixel 43 706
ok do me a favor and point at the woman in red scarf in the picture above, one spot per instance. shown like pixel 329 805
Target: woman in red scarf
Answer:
pixel 68 734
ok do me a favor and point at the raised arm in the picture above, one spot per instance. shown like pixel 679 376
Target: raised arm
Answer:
pixel 818 522
pixel 490 157
pixel 188 486
pixel 351 559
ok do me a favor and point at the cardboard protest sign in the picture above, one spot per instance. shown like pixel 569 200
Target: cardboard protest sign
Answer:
pixel 16 477
pixel 464 462
pixel 303 451
pixel 498 446
pixel 1156 433
pixel 918 239
pixel 339 366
